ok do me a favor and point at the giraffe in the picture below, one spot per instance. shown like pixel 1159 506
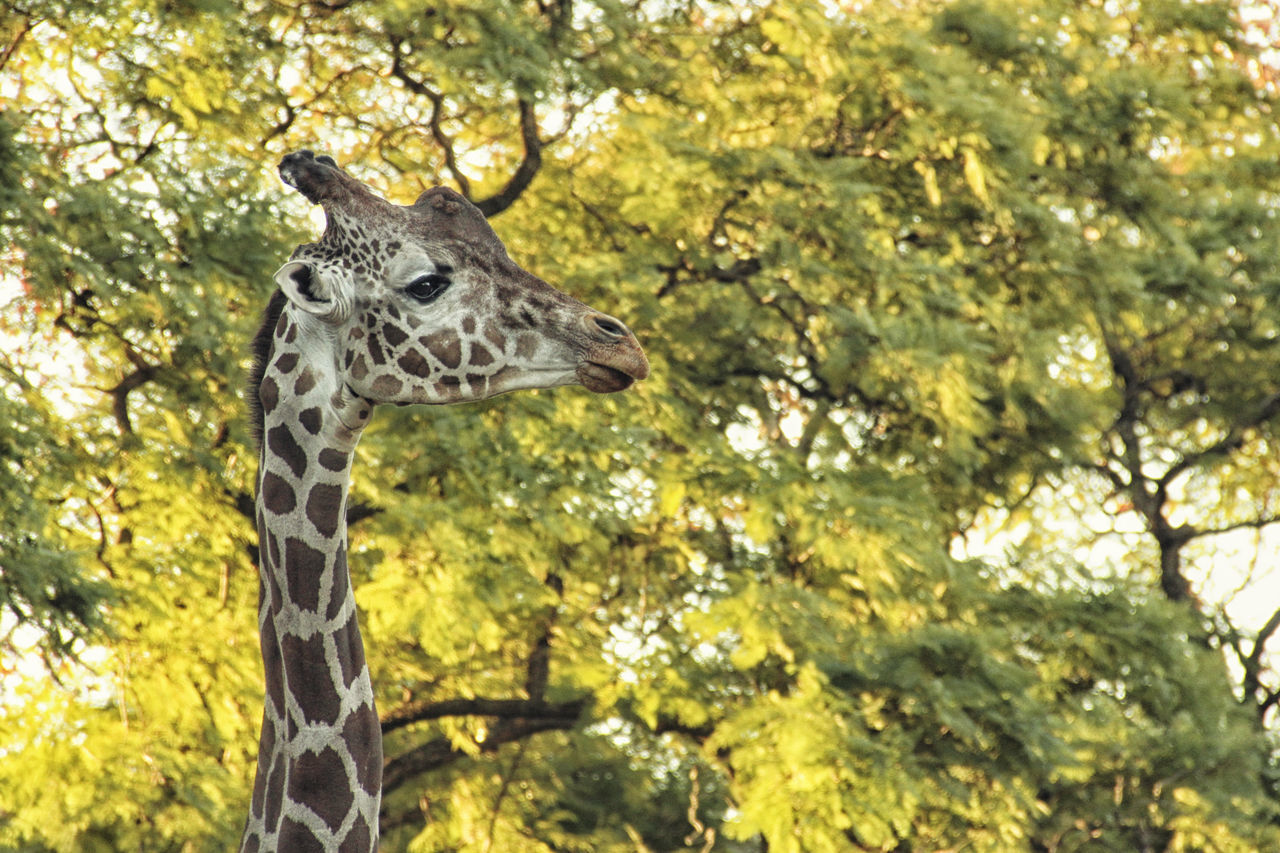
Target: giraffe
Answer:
pixel 394 304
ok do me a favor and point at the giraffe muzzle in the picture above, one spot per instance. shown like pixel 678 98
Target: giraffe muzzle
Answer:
pixel 614 359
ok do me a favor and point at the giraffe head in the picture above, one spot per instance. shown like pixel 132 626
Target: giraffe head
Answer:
pixel 421 304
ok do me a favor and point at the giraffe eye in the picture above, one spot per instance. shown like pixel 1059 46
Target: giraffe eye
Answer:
pixel 427 288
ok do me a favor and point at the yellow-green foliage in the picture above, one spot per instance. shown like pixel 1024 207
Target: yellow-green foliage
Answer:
pixel 903 270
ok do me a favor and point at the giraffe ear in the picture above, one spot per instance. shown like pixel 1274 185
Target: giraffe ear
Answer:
pixel 312 291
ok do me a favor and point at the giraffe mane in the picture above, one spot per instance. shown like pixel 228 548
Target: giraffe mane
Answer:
pixel 261 349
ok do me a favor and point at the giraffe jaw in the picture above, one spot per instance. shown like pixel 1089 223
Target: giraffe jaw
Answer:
pixel 603 379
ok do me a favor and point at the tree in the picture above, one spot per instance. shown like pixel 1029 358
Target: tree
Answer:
pixel 904 273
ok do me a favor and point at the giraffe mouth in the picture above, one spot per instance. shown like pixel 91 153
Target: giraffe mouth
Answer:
pixel 603 379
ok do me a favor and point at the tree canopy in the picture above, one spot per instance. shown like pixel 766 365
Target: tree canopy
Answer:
pixel 964 320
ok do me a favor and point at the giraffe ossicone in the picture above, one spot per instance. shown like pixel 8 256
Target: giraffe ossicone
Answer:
pixel 394 304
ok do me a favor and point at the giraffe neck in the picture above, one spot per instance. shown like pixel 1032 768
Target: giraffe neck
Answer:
pixel 319 772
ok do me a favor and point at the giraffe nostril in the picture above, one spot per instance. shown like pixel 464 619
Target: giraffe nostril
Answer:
pixel 609 326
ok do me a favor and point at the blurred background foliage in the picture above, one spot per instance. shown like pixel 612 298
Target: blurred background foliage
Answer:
pixel 944 521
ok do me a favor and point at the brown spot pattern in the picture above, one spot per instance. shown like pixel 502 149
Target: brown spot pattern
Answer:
pixel 359 731
pixel 359 838
pixel 287 362
pixel 275 793
pixel 338 591
pixel 307 673
pixel 359 370
pixel 350 653
pixel 296 838
pixel 272 666
pixel 413 362
pixel 268 395
pixel 394 334
pixel 284 445
pixel 310 419
pixel 386 386
pixel 324 508
pixel 526 346
pixel 277 494
pixel 333 460
pixel 320 781
pixel 446 346
pixel 260 782
pixel 375 351
pixel 303 566
pixel 305 382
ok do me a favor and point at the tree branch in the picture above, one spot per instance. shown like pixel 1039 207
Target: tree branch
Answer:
pixel 1249 523
pixel 1125 426
pixel 1148 495
pixel 120 395
pixel 440 752
pixel 438 135
pixel 672 725
pixel 1234 439
pixel 538 668
pixel 527 169
pixel 416 712
pixel 1252 664
pixel 28 23
pixel 533 144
